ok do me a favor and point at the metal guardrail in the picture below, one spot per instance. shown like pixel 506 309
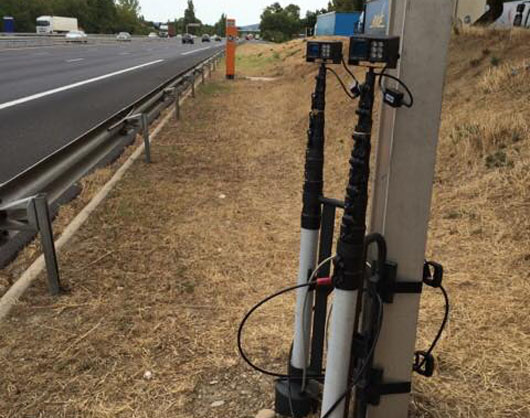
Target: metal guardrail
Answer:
pixel 14 40
pixel 29 35
pixel 58 173
pixel 62 35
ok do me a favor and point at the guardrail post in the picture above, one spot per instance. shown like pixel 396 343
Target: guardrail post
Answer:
pixel 33 214
pixel 193 85
pixel 202 75
pixel 145 134
pixel 177 103
pixel 44 224
pixel 210 70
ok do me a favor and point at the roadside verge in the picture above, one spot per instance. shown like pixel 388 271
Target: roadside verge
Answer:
pixel 164 270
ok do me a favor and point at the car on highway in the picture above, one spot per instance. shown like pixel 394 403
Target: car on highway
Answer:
pixel 152 35
pixel 205 38
pixel 187 39
pixel 76 36
pixel 123 36
pixel 217 38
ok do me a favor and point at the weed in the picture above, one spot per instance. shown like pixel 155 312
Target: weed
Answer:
pixel 291 53
pixel 516 136
pixel 213 88
pixel 474 62
pixel 453 215
pixel 495 61
pixel 124 210
pixel 255 63
pixel 505 77
pixel 465 131
pixel 497 159
pixel 188 287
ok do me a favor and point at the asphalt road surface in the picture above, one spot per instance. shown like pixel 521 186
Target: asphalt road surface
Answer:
pixel 51 95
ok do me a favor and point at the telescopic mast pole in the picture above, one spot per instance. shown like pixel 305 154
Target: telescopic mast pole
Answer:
pixel 349 272
pixel 309 238
pixel 310 220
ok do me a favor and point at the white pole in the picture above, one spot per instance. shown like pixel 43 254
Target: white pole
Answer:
pixel 340 340
pixel 349 271
pixel 310 222
pixel 403 180
pixel 304 300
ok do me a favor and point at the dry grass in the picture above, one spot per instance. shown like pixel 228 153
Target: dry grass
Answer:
pixel 513 77
pixel 89 186
pixel 164 271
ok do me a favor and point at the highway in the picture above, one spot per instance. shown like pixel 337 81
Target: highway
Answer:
pixel 51 95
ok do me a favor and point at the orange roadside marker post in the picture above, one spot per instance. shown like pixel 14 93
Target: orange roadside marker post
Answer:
pixel 231 35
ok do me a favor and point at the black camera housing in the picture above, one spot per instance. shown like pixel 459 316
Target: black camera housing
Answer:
pixel 374 49
pixel 324 51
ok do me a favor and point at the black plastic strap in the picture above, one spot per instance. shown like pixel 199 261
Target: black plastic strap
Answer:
pixel 394 388
pixel 407 287
pixel 388 286
pixel 374 387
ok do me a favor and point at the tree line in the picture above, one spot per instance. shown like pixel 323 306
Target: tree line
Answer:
pixel 94 16
pixel 280 24
pixel 181 24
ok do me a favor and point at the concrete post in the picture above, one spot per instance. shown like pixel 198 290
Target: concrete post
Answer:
pixel 404 173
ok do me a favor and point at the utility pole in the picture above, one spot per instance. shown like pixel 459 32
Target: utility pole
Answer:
pixel 406 155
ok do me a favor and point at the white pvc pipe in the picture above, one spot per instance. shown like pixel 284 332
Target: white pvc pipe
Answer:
pixel 303 320
pixel 339 351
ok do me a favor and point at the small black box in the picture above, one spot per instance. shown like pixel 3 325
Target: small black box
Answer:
pixel 375 49
pixel 324 51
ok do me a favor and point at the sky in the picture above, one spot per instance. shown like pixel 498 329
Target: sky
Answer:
pixel 246 12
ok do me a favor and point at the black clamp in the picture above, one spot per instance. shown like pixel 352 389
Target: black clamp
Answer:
pixel 432 274
pixel 424 363
pixel 373 387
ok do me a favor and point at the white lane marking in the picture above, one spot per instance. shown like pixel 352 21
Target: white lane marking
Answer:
pixel 125 53
pixel 194 51
pixel 75 60
pixel 73 86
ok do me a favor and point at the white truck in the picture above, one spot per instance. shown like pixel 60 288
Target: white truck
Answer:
pixel 514 13
pixel 55 24
pixel 164 30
